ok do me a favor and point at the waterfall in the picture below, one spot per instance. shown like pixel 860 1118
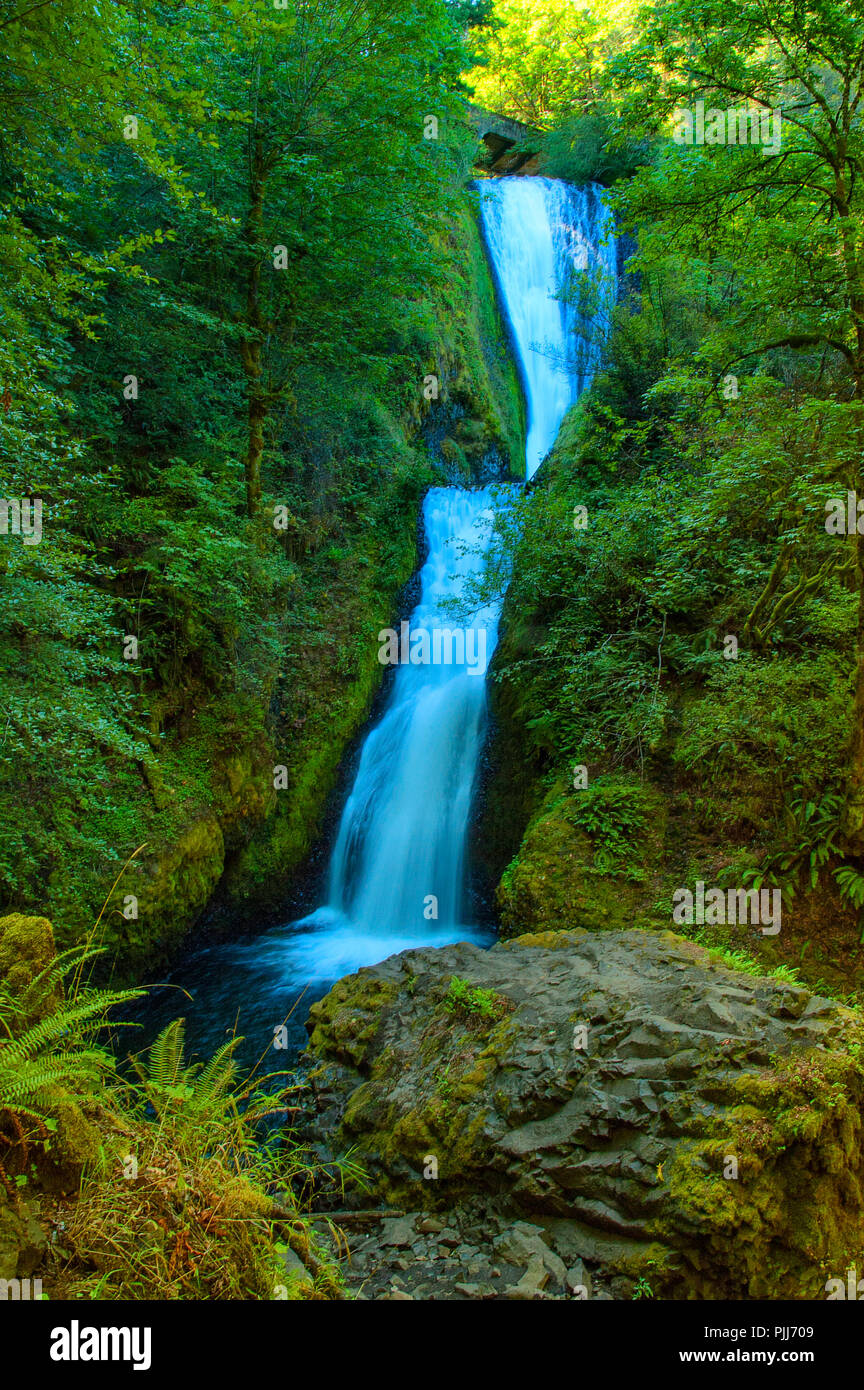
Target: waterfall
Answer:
pixel 411 798
pixel 397 874
pixel 544 235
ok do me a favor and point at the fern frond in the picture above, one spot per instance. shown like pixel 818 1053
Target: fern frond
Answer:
pixel 219 1075
pixel 70 1021
pixel 10 1011
pixel 85 1068
pixel 53 975
pixel 23 1111
pixel 58 1052
pixel 164 1062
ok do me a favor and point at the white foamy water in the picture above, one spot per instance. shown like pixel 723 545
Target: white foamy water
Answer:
pixel 403 829
pixel 539 231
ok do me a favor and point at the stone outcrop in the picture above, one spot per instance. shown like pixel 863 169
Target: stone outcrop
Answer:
pixel 22 1239
pixel 668 1122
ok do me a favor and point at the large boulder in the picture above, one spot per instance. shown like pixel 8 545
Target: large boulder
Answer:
pixel 663 1117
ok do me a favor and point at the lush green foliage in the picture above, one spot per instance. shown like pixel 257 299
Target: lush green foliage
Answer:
pixel 539 61
pixel 226 268
pixel 700 629
pixel 613 813
pixel 58 1055
pixel 179 1189
pixel 462 997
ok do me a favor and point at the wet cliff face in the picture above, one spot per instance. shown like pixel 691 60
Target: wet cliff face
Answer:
pixel 510 787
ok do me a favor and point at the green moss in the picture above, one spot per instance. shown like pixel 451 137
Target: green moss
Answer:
pixel 462 1057
pixel 553 939
pixel 441 1130
pixel 793 1214
pixel 566 875
pixel 347 1019
pixel 75 1144
pixel 26 950
pixel 486 353
pixel 22 1239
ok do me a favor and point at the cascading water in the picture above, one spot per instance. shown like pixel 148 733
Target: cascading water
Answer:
pixel 397 874
pixel 544 235
pixel 397 870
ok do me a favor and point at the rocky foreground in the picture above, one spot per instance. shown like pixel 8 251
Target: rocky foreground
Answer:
pixel 575 1115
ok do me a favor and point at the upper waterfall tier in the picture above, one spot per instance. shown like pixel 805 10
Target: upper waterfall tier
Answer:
pixel 553 251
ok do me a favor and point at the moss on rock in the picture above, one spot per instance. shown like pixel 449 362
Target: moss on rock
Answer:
pixel 22 1239
pixel 609 1103
pixel 565 876
pixel 26 950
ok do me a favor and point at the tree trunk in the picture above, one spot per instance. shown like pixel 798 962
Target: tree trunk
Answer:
pixel 854 808
pixel 854 816
pixel 250 347
pixel 255 449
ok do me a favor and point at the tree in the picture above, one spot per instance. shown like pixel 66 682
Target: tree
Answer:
pixel 223 242
pixel 328 182
pixel 788 221
pixel 540 60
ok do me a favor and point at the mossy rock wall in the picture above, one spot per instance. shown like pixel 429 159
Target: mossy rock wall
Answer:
pixel 26 951
pixel 563 876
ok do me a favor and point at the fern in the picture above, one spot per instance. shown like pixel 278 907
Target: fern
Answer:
pixel 170 1085
pixel 55 1055
pixel 218 1076
pixel 33 1081
pixel 851 885
pixel 52 978
pixel 197 1099
pixel 69 1025
pixel 810 838
pixel 164 1066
